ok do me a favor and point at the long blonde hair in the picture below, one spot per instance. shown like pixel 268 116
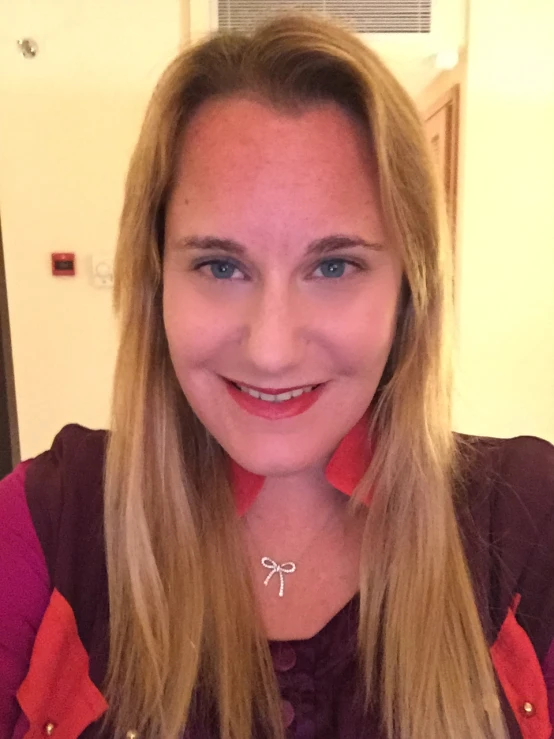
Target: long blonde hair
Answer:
pixel 185 631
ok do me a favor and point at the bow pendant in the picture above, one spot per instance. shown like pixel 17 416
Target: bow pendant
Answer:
pixel 286 568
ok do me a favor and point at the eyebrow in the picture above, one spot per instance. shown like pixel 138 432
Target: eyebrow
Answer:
pixel 318 247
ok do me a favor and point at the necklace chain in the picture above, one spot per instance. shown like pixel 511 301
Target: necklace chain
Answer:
pixel 289 567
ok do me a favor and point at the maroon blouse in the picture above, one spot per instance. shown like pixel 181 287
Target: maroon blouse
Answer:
pixel 317 676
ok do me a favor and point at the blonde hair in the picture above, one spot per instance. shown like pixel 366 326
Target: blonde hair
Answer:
pixel 185 631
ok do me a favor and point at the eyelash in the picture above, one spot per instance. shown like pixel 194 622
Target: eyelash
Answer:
pixel 208 262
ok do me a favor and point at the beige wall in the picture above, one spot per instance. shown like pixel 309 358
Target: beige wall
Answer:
pixel 67 128
pixel 505 280
pixel 69 119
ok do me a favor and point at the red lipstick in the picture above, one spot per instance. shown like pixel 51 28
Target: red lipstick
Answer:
pixel 271 410
pixel 273 390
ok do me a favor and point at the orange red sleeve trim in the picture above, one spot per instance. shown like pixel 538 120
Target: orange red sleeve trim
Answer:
pixel 57 689
pixel 520 674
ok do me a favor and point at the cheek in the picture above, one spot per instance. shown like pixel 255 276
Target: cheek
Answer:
pixel 191 331
pixel 363 333
pixel 352 333
pixel 367 352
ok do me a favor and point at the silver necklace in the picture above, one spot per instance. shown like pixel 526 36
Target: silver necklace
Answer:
pixel 288 568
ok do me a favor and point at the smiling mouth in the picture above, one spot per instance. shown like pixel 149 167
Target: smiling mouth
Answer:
pixel 273 395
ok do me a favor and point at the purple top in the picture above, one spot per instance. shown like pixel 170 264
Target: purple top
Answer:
pixel 24 593
pixel 307 670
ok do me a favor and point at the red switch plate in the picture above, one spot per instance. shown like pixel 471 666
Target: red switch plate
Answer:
pixel 63 264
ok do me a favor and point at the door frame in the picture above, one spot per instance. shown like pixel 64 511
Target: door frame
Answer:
pixel 442 123
pixel 9 428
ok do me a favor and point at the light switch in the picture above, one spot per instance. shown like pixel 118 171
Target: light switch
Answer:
pixel 102 271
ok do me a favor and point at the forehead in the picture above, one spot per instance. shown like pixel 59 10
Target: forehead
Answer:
pixel 225 131
pixel 240 157
pixel 253 121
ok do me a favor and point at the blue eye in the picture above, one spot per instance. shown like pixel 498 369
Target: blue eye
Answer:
pixel 333 267
pixel 221 269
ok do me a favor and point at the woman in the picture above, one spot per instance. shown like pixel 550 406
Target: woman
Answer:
pixel 280 536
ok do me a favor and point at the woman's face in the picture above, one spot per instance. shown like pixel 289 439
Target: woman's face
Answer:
pixel 278 274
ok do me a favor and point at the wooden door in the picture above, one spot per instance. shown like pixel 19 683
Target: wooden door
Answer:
pixel 442 124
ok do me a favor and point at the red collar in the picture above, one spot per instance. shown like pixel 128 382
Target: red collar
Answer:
pixel 344 470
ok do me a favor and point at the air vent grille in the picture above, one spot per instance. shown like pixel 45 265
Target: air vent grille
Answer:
pixel 362 16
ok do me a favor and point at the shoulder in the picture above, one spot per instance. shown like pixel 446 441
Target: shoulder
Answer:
pixel 63 487
pixel 51 518
pixel 24 592
pixel 506 509
pixel 510 457
pixel 512 478
pixel 40 496
pixel 75 450
pixel 510 481
pixel 24 585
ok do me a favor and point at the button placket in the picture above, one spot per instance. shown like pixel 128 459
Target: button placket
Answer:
pixel 284 657
pixel 288 713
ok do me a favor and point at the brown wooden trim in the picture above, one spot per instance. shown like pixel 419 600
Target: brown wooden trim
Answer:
pixel 7 379
pixel 449 103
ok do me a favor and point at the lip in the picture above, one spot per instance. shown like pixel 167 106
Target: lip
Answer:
pixel 272 390
pixel 274 411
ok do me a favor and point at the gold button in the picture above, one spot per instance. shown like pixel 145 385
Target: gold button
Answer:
pixel 528 708
pixel 132 734
pixel 49 728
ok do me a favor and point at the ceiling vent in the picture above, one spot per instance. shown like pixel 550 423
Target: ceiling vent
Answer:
pixel 362 16
pixel 407 33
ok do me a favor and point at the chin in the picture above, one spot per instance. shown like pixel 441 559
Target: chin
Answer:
pixel 266 460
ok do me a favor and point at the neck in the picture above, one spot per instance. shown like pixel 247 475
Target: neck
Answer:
pixel 296 502
pixel 303 522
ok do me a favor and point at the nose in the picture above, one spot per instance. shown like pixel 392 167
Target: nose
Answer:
pixel 274 343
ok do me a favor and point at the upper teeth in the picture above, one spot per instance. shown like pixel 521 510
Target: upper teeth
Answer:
pixel 276 398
